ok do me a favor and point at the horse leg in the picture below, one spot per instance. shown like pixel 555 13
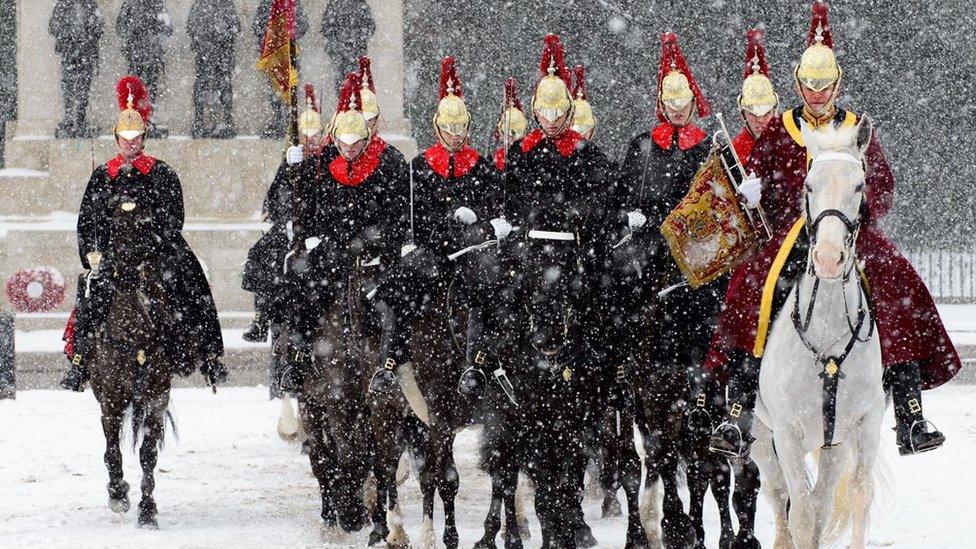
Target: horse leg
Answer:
pixel 861 484
pixel 697 474
pixel 431 478
pixel 612 446
pixel 777 493
pixel 152 427
pixel 521 485
pixel 676 526
pixel 448 490
pixel 515 519
pixel 381 528
pixel 833 462
pixel 650 509
pixel 629 469
pixel 721 484
pixel 802 516
pixel 319 458
pixel 118 489
pixel 747 484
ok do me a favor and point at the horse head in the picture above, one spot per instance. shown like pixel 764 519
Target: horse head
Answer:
pixel 834 194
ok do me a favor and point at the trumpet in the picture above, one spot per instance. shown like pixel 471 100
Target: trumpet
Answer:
pixel 722 141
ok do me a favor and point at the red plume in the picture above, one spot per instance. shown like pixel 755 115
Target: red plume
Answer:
pixel 350 92
pixel 553 54
pixel 580 91
pixel 310 97
pixel 755 49
pixel 671 55
pixel 131 85
pixel 820 21
pixel 366 73
pixel 511 94
pixel 449 74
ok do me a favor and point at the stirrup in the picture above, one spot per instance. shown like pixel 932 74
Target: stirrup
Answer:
pixel 479 388
pixel 722 451
pixel 912 450
pixel 380 383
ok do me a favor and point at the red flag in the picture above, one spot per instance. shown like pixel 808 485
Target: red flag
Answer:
pixel 275 60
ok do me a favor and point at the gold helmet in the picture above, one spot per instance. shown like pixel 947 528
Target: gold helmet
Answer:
pixel 818 67
pixel 135 106
pixel 349 124
pixel 371 107
pixel 758 96
pixel 676 86
pixel 583 119
pixel 552 99
pixel 310 122
pixel 512 117
pixel 452 114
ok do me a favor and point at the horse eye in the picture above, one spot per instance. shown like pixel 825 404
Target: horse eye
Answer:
pixel 859 187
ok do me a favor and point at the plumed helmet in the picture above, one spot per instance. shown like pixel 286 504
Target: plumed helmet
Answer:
pixel 452 114
pixel 310 122
pixel 583 119
pixel 818 68
pixel 512 117
pixel 676 85
pixel 348 123
pixel 551 98
pixel 758 96
pixel 134 105
pixel 370 106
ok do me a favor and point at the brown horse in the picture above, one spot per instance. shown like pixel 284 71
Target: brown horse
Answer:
pixel 333 405
pixel 128 366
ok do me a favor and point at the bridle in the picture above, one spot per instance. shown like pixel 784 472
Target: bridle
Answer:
pixel 831 364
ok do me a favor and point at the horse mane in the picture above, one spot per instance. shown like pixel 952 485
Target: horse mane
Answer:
pixel 832 138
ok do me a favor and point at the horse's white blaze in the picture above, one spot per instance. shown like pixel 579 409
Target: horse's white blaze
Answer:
pixel 789 411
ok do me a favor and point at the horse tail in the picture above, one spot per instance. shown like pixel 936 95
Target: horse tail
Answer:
pixel 137 409
pixel 843 516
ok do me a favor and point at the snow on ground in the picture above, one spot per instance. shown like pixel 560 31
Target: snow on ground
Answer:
pixel 231 482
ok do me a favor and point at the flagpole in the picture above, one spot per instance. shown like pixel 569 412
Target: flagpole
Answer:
pixel 293 172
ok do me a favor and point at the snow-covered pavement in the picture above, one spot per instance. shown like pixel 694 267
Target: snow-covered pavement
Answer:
pixel 231 482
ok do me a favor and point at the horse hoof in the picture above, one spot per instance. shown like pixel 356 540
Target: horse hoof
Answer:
pixel 513 542
pixel 119 505
pixel 678 532
pixel 148 522
pixel 377 536
pixel 746 541
pixel 585 539
pixel 450 538
pixel 611 507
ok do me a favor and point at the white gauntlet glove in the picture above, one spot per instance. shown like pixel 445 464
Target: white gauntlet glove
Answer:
pixel 312 242
pixel 295 155
pixel 407 249
pixel 502 228
pixel 751 190
pixel 465 215
pixel 635 220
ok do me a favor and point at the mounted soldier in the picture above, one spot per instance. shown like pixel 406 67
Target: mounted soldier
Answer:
pixel 916 351
pixel 584 123
pixel 193 338
pixel 453 192
pixel 349 215
pixel 262 271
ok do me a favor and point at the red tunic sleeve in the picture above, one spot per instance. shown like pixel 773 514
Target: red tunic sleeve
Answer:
pixel 880 186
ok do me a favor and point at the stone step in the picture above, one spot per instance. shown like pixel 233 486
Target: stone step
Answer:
pixel 26 190
pixel 52 242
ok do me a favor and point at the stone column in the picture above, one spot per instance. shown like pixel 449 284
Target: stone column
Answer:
pixel 386 51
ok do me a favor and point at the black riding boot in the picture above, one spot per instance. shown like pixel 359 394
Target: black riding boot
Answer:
pixel 394 348
pixel 75 378
pixel 214 370
pixel 732 437
pixel 295 361
pixel 258 331
pixel 474 377
pixel 701 417
pixel 905 383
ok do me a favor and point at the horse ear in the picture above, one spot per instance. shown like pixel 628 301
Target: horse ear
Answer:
pixel 865 128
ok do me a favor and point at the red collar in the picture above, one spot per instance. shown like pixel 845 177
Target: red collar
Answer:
pixel 500 159
pixel 439 159
pixel 565 142
pixel 743 144
pixel 362 167
pixel 689 135
pixel 144 163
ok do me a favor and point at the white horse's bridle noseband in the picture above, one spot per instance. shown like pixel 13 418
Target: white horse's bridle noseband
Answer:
pixel 838 156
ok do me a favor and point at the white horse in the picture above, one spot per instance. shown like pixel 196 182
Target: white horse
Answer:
pixel 824 335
